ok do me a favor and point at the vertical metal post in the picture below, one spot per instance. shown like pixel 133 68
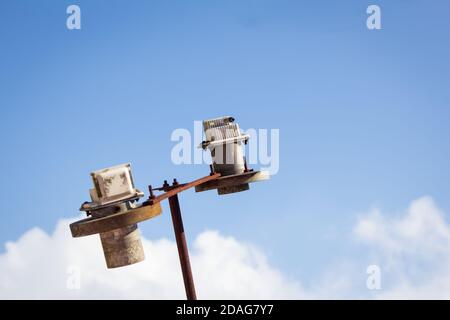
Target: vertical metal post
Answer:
pixel 182 247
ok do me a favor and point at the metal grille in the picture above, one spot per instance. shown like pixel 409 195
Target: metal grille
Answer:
pixel 221 129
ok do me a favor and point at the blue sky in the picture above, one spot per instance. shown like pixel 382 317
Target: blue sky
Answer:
pixel 363 115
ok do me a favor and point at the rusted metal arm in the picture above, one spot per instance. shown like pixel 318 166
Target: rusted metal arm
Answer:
pixel 177 188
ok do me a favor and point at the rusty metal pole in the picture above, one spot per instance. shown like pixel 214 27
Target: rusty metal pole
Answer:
pixel 182 247
pixel 171 193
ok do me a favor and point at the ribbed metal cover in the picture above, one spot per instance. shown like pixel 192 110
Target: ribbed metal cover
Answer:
pixel 221 129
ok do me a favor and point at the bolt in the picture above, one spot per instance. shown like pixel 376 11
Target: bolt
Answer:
pixel 152 195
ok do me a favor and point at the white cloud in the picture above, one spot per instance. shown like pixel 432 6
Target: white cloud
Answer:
pixel 412 249
pixel 41 266
pixel 421 230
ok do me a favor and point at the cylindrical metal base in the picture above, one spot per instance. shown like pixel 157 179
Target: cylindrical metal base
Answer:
pixel 122 246
pixel 228 159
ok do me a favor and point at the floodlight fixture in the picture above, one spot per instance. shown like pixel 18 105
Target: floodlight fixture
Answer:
pixel 114 215
pixel 114 212
pixel 225 140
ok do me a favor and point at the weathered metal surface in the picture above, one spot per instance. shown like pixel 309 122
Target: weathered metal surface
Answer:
pixel 177 188
pixel 113 184
pixel 237 181
pixel 233 189
pixel 220 131
pixel 228 159
pixel 224 140
pixel 91 206
pixel 93 225
pixel 122 247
